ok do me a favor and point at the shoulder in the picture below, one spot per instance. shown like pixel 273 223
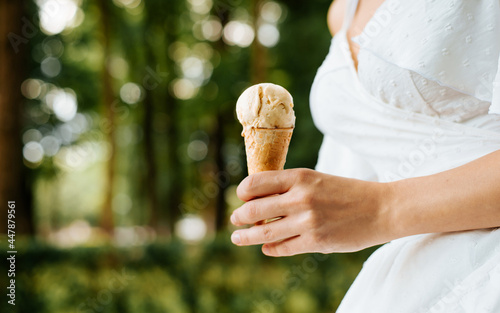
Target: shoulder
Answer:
pixel 336 15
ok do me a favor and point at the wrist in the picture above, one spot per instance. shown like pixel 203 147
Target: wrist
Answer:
pixel 388 211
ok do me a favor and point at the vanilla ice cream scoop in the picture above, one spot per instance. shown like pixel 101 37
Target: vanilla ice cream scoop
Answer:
pixel 265 106
pixel 266 113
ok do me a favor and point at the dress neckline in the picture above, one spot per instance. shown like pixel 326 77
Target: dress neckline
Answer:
pixel 351 9
pixel 346 54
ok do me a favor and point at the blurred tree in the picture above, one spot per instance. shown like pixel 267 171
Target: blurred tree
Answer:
pixel 220 164
pixel 161 20
pixel 151 172
pixel 107 222
pixel 15 32
pixel 177 145
pixel 259 52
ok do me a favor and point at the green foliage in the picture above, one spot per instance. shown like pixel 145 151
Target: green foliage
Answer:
pixel 147 47
pixel 213 277
pixel 145 44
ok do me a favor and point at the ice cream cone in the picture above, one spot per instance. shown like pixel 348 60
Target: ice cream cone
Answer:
pixel 266 148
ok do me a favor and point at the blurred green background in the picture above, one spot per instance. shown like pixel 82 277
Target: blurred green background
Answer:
pixel 121 149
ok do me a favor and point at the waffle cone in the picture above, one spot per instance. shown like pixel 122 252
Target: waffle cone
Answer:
pixel 266 148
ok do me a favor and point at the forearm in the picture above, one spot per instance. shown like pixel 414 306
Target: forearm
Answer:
pixel 464 198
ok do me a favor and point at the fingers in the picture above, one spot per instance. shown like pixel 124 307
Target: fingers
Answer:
pixel 259 210
pixel 265 233
pixel 266 183
pixel 288 247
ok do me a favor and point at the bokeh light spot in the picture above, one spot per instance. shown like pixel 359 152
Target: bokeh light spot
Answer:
pixel 51 67
pixel 38 115
pixel 129 4
pixel 201 6
pixel 268 35
pixel 33 152
pixel 32 135
pixel 31 88
pixel 63 103
pixel 197 150
pixel 53 47
pixel 65 133
pixel 271 12
pixel 130 93
pixel 192 67
pixel 191 228
pixel 79 124
pixel 178 51
pixel 56 15
pixel 203 50
pixel 50 145
pixel 239 34
pixel 78 157
pixel 184 89
pixel 79 231
pixel 211 29
pixel 118 67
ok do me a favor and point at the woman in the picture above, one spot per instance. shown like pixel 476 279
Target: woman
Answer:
pixel 408 100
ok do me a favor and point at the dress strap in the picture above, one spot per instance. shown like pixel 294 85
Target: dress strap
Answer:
pixel 351 7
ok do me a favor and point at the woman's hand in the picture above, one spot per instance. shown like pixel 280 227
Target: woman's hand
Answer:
pixel 320 213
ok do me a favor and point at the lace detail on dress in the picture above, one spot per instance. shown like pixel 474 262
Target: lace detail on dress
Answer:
pixel 412 92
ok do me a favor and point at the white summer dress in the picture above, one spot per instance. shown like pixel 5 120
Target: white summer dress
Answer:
pixel 425 99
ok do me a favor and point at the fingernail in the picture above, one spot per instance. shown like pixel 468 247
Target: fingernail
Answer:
pixel 233 219
pixel 235 238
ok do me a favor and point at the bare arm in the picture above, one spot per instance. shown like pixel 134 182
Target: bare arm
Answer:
pixel 325 213
pixel 464 198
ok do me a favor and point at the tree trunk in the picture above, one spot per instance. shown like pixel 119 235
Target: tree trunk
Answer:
pixel 14 38
pixel 174 194
pixel 107 221
pixel 149 155
pixel 222 178
pixel 165 204
pixel 259 52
